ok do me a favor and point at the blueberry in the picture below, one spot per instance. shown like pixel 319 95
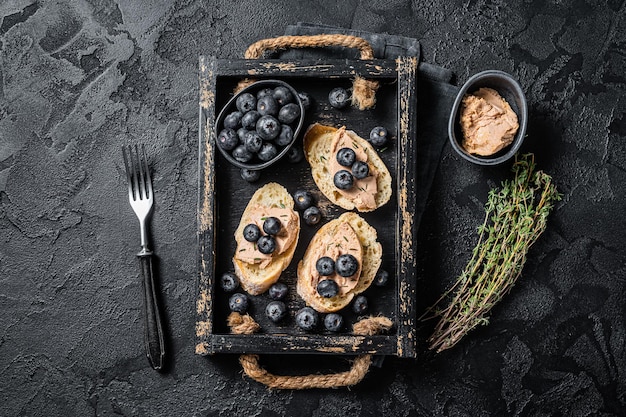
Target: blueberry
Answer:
pixel 378 136
pixel 343 180
pixel 285 136
pixel 338 97
pixel 307 318
pixel 346 157
pixel 233 119
pixel 325 266
pixel 333 322
pixel 264 92
pixel 227 139
pixel 312 216
pixel 238 302
pixel 268 127
pixel 282 95
pixel 241 134
pixel 360 170
pixel 251 232
pixel 276 311
pixel 305 99
pixel 295 154
pixel 360 305
pixel 272 226
pixel 242 154
pixel 266 244
pixel 289 113
pixel 303 199
pixel 278 291
pixel 268 152
pixel 248 120
pixel 267 105
pixel 229 282
pixel 327 288
pixel 381 278
pixel 245 102
pixel 250 175
pixel 346 265
pixel 252 141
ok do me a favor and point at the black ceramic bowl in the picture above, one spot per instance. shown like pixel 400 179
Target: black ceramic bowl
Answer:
pixel 256 164
pixel 511 91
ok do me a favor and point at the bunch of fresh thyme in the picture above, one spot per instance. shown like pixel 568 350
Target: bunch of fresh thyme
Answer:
pixel 516 215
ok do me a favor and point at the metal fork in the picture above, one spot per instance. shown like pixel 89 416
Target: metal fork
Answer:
pixel 141 200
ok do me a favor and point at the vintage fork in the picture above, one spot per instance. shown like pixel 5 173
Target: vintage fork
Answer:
pixel 141 200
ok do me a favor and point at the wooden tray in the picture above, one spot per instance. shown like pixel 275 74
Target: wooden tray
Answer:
pixel 223 195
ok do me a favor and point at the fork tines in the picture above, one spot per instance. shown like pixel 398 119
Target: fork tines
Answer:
pixel 137 172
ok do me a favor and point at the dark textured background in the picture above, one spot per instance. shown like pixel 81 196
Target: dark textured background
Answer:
pixel 80 78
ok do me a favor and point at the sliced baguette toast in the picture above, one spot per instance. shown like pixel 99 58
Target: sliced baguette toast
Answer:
pixel 255 278
pixel 372 255
pixel 318 141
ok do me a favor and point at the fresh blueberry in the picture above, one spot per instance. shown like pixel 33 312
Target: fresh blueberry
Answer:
pixel 238 302
pixel 276 311
pixel 250 175
pixel 268 152
pixel 267 105
pixel 343 180
pixel 333 322
pixel 272 226
pixel 282 95
pixel 346 157
pixel 268 127
pixel 233 119
pixel 242 154
pixel 229 282
pixel 295 154
pixel 346 265
pixel 378 137
pixel 285 136
pixel 227 139
pixel 278 291
pixel 303 199
pixel 289 113
pixel 241 135
pixel 338 97
pixel 251 232
pixel 381 278
pixel 325 266
pixel 327 288
pixel 312 216
pixel 360 170
pixel 245 102
pixel 307 318
pixel 248 120
pixel 266 244
pixel 360 305
pixel 305 99
pixel 264 92
pixel 252 141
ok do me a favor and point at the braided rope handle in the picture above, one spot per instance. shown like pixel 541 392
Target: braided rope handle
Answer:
pixel 245 324
pixel 363 91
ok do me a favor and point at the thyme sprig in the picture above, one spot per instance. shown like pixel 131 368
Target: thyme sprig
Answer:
pixel 515 216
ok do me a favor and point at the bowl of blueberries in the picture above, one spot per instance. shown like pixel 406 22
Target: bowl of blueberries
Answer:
pixel 258 125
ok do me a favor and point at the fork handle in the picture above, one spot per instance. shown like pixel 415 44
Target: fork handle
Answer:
pixel 153 333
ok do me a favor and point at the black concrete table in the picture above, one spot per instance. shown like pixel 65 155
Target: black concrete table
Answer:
pixel 79 79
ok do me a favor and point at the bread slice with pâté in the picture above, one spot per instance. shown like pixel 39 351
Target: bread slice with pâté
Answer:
pixel 258 271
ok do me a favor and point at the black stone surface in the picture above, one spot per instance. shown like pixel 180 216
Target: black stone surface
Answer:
pixel 78 79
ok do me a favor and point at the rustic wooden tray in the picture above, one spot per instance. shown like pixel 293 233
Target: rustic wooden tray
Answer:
pixel 223 195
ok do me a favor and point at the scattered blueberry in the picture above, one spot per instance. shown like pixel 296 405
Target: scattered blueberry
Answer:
pixel 360 170
pixel 346 157
pixel 266 244
pixel 248 120
pixel 250 175
pixel 282 95
pixel 229 281
pixel 381 278
pixel 360 305
pixel 307 318
pixel 346 265
pixel 276 311
pixel 267 105
pixel 272 226
pixel 227 139
pixel 333 322
pixel 242 154
pixel 327 288
pixel 343 179
pixel 289 113
pixel 233 119
pixel 268 152
pixel 325 266
pixel 251 232
pixel 295 154
pixel 303 199
pixel 268 127
pixel 285 136
pixel 312 216
pixel 245 102
pixel 278 291
pixel 305 99
pixel 378 137
pixel 252 141
pixel 338 97
pixel 238 302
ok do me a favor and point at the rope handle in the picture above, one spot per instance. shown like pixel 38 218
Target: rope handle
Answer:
pixel 245 324
pixel 363 91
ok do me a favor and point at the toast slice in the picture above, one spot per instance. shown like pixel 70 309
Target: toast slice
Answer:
pixel 256 277
pixel 318 142
pixel 371 259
